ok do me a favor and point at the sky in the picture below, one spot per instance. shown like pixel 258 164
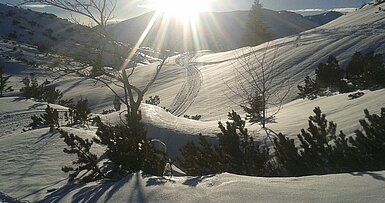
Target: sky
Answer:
pixel 130 8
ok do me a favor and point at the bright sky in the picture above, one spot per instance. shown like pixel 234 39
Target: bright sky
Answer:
pixel 130 8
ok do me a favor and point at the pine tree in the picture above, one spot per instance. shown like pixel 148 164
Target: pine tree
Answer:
pixel 346 157
pixel 36 122
pixel 50 118
pixel 316 150
pixel 329 74
pixel 355 70
pixel 370 142
pixel 256 31
pixel 49 93
pixel 86 161
pixel 43 92
pixel 288 156
pixel 202 159
pixel 128 148
pixel 310 90
pixel 366 71
pixel 81 111
pixel 254 108
pixel 237 152
pixel 3 81
pixel 30 89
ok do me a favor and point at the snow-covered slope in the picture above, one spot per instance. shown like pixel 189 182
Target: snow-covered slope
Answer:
pixel 296 57
pixel 30 162
pixel 47 32
pixel 201 87
pixel 355 187
pixel 30 167
pixel 40 29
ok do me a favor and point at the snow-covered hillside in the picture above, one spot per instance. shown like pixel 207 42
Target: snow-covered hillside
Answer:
pixel 296 57
pixel 193 84
pixel 47 32
pixel 40 29
pixel 30 167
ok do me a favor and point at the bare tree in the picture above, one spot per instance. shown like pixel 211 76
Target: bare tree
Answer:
pixel 257 83
pixel 101 12
pixel 98 11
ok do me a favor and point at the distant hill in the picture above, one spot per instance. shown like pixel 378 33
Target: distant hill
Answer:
pixel 49 33
pixel 324 18
pixel 215 31
pixel 41 29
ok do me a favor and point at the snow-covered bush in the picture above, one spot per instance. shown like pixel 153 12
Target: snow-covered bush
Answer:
pixel 128 148
pixel 329 74
pixel 77 113
pixel 310 90
pixel 43 92
pixel 48 119
pixel 254 108
pixel 370 142
pixel 366 71
pixel 237 152
pixel 363 72
pixel 200 159
pixel 81 111
pixel 153 100
pixel 322 151
pixel 87 162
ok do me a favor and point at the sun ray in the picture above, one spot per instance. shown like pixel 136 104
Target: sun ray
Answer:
pixel 162 33
pixel 182 9
pixel 141 39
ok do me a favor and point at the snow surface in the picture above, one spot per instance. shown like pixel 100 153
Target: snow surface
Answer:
pixel 355 187
pixel 30 161
pixel 40 28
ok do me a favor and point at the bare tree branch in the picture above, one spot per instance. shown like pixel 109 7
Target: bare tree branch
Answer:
pixel 100 12
pixel 256 84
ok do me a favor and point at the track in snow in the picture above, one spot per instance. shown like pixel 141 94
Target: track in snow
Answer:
pixel 190 89
pixel 16 121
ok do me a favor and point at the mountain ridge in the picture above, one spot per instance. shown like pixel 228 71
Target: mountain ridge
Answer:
pixel 221 30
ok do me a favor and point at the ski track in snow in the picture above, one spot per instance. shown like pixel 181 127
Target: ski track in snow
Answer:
pixel 193 78
pixel 190 89
pixel 18 120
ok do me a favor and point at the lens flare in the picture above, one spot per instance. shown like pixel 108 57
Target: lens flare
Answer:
pixel 183 9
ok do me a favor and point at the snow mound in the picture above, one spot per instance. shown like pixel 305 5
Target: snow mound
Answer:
pixel 354 187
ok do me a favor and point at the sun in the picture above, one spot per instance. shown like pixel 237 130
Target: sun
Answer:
pixel 182 9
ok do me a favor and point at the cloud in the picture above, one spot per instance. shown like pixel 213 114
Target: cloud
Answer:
pixel 344 10
pixel 318 10
pixel 308 10
pixel 36 6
